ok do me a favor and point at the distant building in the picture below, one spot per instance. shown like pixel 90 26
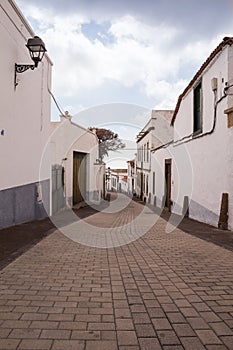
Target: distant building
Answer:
pixel 155 133
pixel 119 180
pixel 131 177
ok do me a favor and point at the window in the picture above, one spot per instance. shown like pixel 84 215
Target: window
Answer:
pixel 153 182
pixel 147 152
pixel 197 108
pixel 147 184
pixel 139 154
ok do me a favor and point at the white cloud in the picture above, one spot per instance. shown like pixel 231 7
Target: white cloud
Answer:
pixel 138 54
pixel 130 27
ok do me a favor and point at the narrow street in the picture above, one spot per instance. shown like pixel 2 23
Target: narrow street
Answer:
pixel 160 291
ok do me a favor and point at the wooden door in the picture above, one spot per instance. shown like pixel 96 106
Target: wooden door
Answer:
pixel 79 177
pixel 168 177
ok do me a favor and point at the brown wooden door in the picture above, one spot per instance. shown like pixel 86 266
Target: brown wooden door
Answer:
pixel 79 177
pixel 168 177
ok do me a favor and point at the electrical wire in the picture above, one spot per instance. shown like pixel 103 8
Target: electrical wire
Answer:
pixel 54 99
pixel 208 132
pixel 192 136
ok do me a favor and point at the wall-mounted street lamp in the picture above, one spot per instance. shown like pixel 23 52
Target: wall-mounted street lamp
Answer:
pixel 37 50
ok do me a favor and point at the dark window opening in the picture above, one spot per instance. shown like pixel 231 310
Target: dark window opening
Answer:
pixel 197 109
pixel 153 182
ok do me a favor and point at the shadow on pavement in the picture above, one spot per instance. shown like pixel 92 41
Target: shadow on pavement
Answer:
pixel 15 240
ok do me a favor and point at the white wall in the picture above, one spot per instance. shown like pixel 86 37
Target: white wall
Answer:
pixel 210 156
pixel 25 111
pixel 202 168
pixel 229 133
pixel 67 138
pixel 160 132
pixel 25 123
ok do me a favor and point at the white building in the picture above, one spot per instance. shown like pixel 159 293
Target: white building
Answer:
pixel 44 165
pixel 77 176
pixel 131 177
pixel 156 132
pixel 197 169
pixel 25 122
pixel 119 180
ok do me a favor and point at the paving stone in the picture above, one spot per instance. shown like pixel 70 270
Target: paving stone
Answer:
pixel 175 317
pixel 68 345
pixel 221 328
pixel 161 323
pixel 168 337
pixel 210 316
pixel 173 347
pixel 149 344
pixel 122 313
pixel 101 345
pixel 145 331
pixel 55 334
pixel 61 317
pixel 34 316
pixel 4 332
pixel 173 287
pixel 124 324
pixel 73 325
pixel 192 343
pixel 228 341
pixel 101 326
pixel 108 335
pixel 15 324
pixel 25 333
pixel 85 335
pixel 183 330
pixel 156 312
pixel 35 344
pixel 198 323
pixel 216 347
pixel 9 344
pixel 44 325
pixel 208 337
pixel 127 338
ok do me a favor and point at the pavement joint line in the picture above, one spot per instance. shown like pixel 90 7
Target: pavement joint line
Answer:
pixel 169 289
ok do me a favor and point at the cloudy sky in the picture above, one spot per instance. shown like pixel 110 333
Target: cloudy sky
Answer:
pixel 138 52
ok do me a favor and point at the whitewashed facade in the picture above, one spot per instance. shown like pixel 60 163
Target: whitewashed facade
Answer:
pixel 201 157
pixel 132 177
pixel 37 175
pixel 118 180
pixel 155 133
pixel 25 122
pixel 73 183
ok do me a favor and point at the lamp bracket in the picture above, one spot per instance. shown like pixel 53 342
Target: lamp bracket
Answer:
pixel 20 68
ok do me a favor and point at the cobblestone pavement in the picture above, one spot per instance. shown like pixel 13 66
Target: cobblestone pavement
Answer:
pixel 162 291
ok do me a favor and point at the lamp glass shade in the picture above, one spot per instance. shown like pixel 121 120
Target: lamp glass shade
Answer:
pixel 36 49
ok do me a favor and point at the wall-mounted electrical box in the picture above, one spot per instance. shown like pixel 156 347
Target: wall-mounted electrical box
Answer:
pixel 214 84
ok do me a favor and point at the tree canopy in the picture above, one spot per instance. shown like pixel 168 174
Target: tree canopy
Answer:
pixel 108 141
